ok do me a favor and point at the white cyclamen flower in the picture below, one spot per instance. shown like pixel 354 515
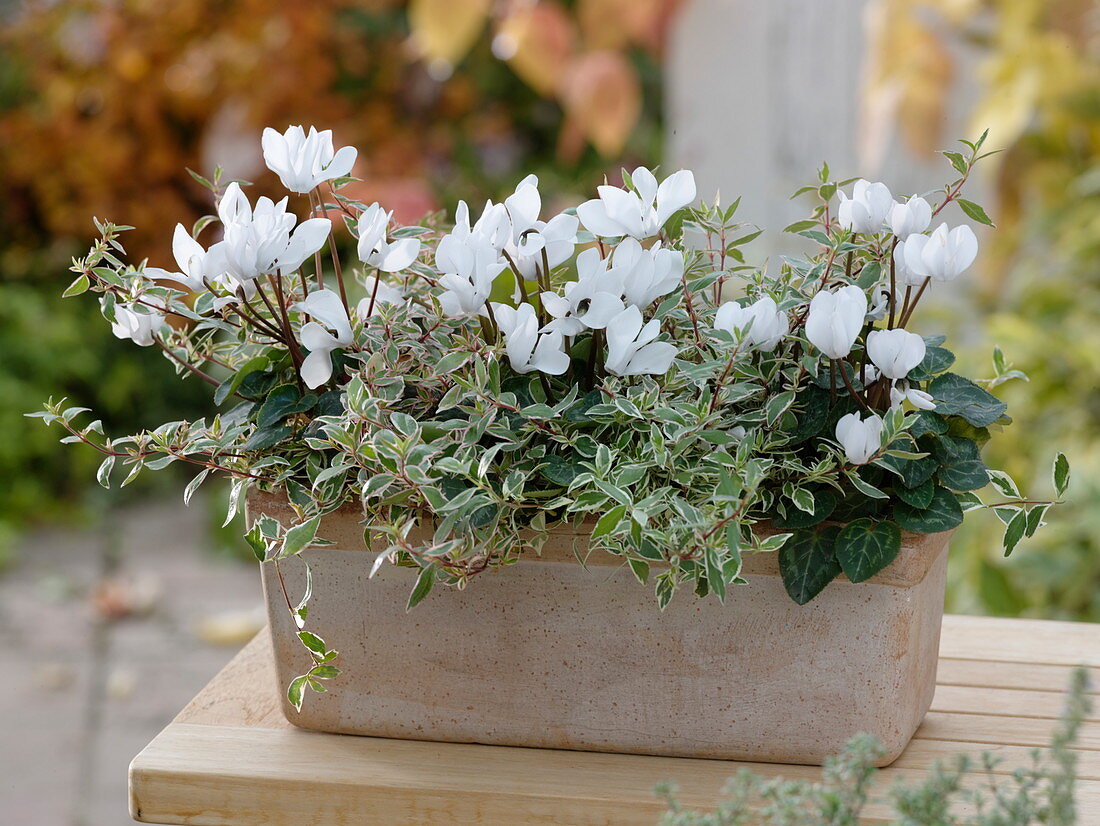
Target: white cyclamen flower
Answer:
pixel 639 214
pixel 860 438
pixel 375 250
pixel 588 303
pixel 196 265
pixel 494 226
pixel 941 256
pixel 835 319
pixel 631 350
pixel 469 265
pixel 470 259
pixel 762 323
pixel 646 275
pixel 913 216
pixel 138 322
pixel 527 349
pixel 329 330
pixel 264 240
pixel 303 161
pixel 879 302
pixel 895 352
pixel 918 398
pixel 866 211
pixel 531 237
pixel 381 293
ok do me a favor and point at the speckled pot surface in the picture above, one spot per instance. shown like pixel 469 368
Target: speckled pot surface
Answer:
pixel 553 654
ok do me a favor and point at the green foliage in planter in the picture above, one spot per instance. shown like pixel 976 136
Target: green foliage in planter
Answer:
pixel 473 387
pixel 1040 792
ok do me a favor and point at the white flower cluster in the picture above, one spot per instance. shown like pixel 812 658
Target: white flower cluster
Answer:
pixel 942 256
pixel 617 280
pixel 836 318
pixel 611 290
pixel 267 240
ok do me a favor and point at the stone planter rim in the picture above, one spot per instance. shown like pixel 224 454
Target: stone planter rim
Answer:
pixel 567 544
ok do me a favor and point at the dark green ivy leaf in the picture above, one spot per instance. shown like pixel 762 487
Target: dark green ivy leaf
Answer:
pixel 265 437
pixel 281 402
pixel 807 562
pixel 865 547
pixel 942 514
pixel 961 465
pixel 813 415
pixel 928 422
pixel 957 396
pixel 936 360
pixel 233 383
pixel 919 497
pixel 913 472
pixel 560 471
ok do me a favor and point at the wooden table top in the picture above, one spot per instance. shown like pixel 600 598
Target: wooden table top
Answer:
pixel 231 759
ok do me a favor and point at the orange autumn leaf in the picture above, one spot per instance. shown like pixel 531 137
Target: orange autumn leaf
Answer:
pixel 444 31
pixel 538 42
pixel 612 24
pixel 603 99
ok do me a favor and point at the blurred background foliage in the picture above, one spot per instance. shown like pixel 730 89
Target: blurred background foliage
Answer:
pixel 102 105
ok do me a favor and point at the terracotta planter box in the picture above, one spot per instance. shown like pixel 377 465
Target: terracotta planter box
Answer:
pixel 551 654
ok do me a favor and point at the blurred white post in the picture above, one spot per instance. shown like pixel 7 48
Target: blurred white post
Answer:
pixel 760 92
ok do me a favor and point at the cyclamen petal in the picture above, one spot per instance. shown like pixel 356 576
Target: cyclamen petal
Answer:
pixel 868 208
pixel 307 239
pixel 860 438
pixel 593 215
pixel 316 367
pixel 399 255
pixel 895 352
pixel 835 320
pixel 913 216
pixel 140 326
pixel 631 350
pixel 639 214
pixel 675 192
pixel 529 349
pixel 302 161
pixel 326 307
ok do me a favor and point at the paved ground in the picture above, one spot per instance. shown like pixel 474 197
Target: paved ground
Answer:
pixel 104 635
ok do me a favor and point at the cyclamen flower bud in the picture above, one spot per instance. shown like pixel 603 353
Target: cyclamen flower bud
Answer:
pixel 860 438
pixel 895 352
pixel 303 161
pixel 913 216
pixel 763 324
pixel 866 211
pixel 639 214
pixel 941 256
pixel 527 349
pixel 835 319
pixel 631 350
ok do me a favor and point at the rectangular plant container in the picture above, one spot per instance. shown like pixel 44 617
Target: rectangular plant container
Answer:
pixel 553 654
